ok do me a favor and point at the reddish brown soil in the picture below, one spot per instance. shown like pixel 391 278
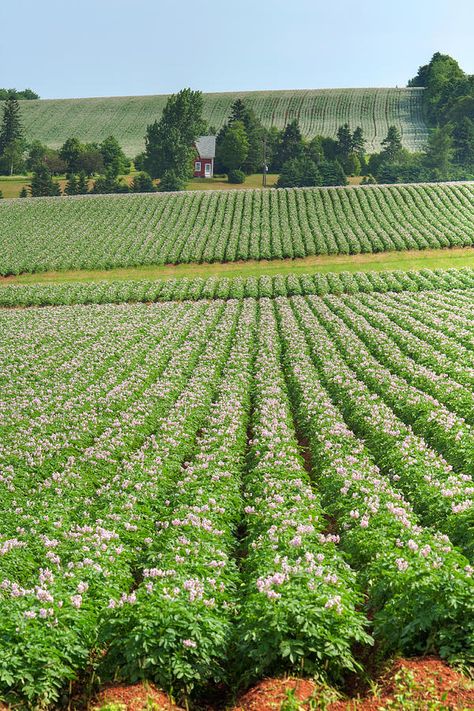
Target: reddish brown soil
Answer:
pixel 269 694
pixel 135 697
pixel 432 681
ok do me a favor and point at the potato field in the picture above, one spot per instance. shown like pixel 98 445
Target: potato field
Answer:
pixel 103 232
pixel 130 291
pixel 207 492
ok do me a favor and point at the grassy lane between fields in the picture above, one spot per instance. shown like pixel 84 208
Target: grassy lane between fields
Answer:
pixel 410 259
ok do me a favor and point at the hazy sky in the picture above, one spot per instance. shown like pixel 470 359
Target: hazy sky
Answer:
pixel 68 48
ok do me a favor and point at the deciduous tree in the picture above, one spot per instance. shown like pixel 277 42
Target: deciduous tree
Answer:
pixel 169 141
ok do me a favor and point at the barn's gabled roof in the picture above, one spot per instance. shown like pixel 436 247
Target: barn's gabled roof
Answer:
pixel 206 146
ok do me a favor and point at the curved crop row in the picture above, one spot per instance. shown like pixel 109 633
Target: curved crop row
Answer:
pixel 416 583
pixel 319 111
pixel 107 231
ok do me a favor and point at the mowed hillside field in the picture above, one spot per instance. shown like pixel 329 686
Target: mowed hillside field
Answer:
pixel 108 231
pixel 319 112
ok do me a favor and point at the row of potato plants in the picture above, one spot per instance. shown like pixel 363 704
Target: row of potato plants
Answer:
pixel 440 496
pixel 265 286
pixel 420 589
pixel 106 231
pixel 446 431
pixel 64 564
pixel 155 503
pixel 441 354
pixel 300 599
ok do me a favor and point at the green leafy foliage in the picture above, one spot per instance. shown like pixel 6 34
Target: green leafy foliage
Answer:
pixel 169 141
pixel 227 226
pixel 236 176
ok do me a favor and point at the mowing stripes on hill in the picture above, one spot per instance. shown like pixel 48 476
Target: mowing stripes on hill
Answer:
pixel 319 111
pixel 102 232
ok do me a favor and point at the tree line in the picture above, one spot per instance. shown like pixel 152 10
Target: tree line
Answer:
pixel 449 109
pixel 26 94
pixel 244 146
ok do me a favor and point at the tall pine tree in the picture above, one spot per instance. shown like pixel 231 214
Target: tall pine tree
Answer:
pixel 392 145
pixel 42 184
pixel 291 145
pixel 11 133
pixel 12 129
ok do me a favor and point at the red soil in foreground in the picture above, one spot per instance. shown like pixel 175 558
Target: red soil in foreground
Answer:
pixel 414 684
pixel 135 697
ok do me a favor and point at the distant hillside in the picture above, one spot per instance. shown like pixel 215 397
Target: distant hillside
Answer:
pixel 319 111
pixel 106 231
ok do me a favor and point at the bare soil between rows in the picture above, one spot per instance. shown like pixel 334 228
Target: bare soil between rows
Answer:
pixel 415 684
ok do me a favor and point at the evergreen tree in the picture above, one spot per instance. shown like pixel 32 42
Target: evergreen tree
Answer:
pixel 273 136
pixel 254 132
pixel 332 173
pixel 291 145
pixel 11 129
pixel 71 184
pixel 299 172
pixel 108 183
pixel 344 142
pixel 142 183
pixel 329 146
pixel 169 141
pixel 238 112
pixel 358 142
pixel 352 165
pixel 11 136
pixel 439 151
pixel 392 145
pixel 314 150
pixel 23 192
pixel 42 183
pixel 171 182
pixel 82 187
pixel 55 190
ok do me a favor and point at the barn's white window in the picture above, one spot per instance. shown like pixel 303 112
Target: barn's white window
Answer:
pixel 197 166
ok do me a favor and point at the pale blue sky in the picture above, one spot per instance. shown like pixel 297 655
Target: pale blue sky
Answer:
pixel 68 48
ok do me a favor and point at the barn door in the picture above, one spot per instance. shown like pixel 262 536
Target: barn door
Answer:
pixel 207 170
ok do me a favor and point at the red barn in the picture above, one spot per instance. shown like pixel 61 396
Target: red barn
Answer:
pixel 204 161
